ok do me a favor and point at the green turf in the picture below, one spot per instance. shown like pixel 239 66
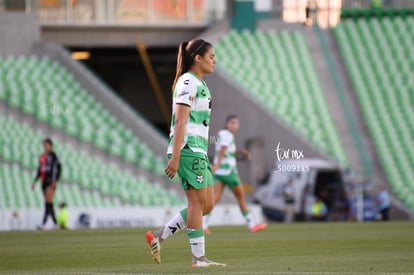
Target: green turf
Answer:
pixel 331 248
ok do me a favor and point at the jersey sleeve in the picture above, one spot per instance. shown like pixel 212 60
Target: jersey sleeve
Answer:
pixel 225 138
pixel 186 90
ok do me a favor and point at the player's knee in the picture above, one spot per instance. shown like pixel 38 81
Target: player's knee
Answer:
pixel 207 210
pixel 208 206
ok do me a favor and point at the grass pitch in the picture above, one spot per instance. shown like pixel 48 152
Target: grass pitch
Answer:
pixel 325 248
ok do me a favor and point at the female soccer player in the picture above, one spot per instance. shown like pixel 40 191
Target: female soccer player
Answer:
pixel 226 174
pixel 187 150
pixel 49 173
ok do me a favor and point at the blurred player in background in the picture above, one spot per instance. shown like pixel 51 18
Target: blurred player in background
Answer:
pixel 187 150
pixel 63 216
pixel 226 174
pixel 49 174
pixel 384 203
pixel 289 195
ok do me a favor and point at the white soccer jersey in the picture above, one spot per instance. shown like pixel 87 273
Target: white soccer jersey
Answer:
pixel 193 92
pixel 228 164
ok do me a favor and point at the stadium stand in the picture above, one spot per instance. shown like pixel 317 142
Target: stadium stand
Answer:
pixel 86 181
pixel 375 12
pixel 40 87
pixel 276 70
pixel 32 84
pixel 378 56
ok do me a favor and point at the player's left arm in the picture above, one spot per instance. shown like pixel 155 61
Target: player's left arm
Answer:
pixel 56 171
pixel 244 152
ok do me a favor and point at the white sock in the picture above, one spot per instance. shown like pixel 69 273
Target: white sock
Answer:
pixel 197 242
pixel 249 219
pixel 206 219
pixel 198 247
pixel 174 225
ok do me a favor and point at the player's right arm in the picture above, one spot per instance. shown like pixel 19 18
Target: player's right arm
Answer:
pixel 220 157
pixel 185 94
pixel 182 112
pixel 36 178
pixel 224 140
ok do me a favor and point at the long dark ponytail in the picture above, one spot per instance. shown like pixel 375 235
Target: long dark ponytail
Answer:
pixel 187 51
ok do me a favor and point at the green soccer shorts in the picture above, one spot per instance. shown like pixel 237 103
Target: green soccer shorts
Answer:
pixel 231 181
pixel 194 170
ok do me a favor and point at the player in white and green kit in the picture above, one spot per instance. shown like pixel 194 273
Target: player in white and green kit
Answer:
pixel 226 174
pixel 187 150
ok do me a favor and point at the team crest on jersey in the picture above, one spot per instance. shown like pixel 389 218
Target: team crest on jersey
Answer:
pixel 191 98
pixel 200 177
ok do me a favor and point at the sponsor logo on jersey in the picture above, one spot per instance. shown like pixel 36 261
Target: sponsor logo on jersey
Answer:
pixel 183 93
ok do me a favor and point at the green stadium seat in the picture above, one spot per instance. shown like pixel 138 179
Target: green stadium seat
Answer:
pixel 382 78
pixel 254 58
pixel 40 87
pixel 85 182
